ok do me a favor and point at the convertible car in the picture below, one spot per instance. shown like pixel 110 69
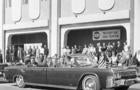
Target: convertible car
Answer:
pixel 2 66
pixel 81 75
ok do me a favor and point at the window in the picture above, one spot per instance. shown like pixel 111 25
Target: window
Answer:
pixel 16 10
pixel 78 6
pixel 43 0
pixel 34 9
pixel 25 1
pixel 8 3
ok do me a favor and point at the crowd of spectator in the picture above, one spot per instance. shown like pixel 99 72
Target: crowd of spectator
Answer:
pixel 18 54
pixel 104 54
pixel 116 54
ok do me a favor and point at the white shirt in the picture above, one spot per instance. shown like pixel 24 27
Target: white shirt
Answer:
pixel 85 50
pixel 138 57
pixel 114 59
pixel 64 51
pixel 42 50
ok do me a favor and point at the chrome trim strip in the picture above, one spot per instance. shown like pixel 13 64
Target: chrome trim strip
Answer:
pixel 50 85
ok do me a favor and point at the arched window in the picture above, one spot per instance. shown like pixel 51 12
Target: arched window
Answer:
pixel 78 6
pixel 34 9
pixel 8 3
pixel 16 10
pixel 25 1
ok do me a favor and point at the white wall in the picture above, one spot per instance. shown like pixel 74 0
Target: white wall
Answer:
pixel 1 16
pixel 54 27
pixel 136 25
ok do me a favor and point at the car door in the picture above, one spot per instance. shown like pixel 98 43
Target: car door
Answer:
pixel 61 76
pixel 36 75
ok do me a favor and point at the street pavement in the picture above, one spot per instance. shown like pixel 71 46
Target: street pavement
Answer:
pixel 12 86
pixel 134 87
pixel 4 85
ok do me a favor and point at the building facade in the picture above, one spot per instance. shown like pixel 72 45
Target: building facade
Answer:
pixel 58 23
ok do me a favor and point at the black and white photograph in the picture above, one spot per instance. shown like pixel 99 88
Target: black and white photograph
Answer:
pixel 69 44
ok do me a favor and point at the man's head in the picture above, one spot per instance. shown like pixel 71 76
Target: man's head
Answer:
pixel 32 59
pixel 45 46
pixel 138 55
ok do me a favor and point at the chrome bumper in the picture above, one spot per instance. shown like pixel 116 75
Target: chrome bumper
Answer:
pixel 121 82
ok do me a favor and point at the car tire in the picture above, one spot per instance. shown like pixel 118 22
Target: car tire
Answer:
pixel 90 82
pixel 20 81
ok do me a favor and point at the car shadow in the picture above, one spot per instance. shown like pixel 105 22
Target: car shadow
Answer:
pixel 40 88
pixel 121 88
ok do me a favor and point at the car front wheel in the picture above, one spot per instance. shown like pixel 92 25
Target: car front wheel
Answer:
pixel 90 82
pixel 20 81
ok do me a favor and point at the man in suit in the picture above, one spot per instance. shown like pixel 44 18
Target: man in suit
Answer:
pixel 1 59
pixel 20 54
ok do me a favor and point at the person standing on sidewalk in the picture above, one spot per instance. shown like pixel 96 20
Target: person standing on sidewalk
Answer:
pixel 1 59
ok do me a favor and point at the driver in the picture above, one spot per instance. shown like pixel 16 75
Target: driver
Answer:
pixel 33 62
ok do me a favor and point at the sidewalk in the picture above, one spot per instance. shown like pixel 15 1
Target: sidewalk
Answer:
pixel 134 87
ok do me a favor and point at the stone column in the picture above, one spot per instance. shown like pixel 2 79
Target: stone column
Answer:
pixel 136 24
pixel 1 26
pixel 1 23
pixel 54 27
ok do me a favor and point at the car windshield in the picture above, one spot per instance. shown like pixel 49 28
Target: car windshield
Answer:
pixel 82 61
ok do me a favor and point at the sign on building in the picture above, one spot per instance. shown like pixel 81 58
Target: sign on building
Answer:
pixel 106 35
